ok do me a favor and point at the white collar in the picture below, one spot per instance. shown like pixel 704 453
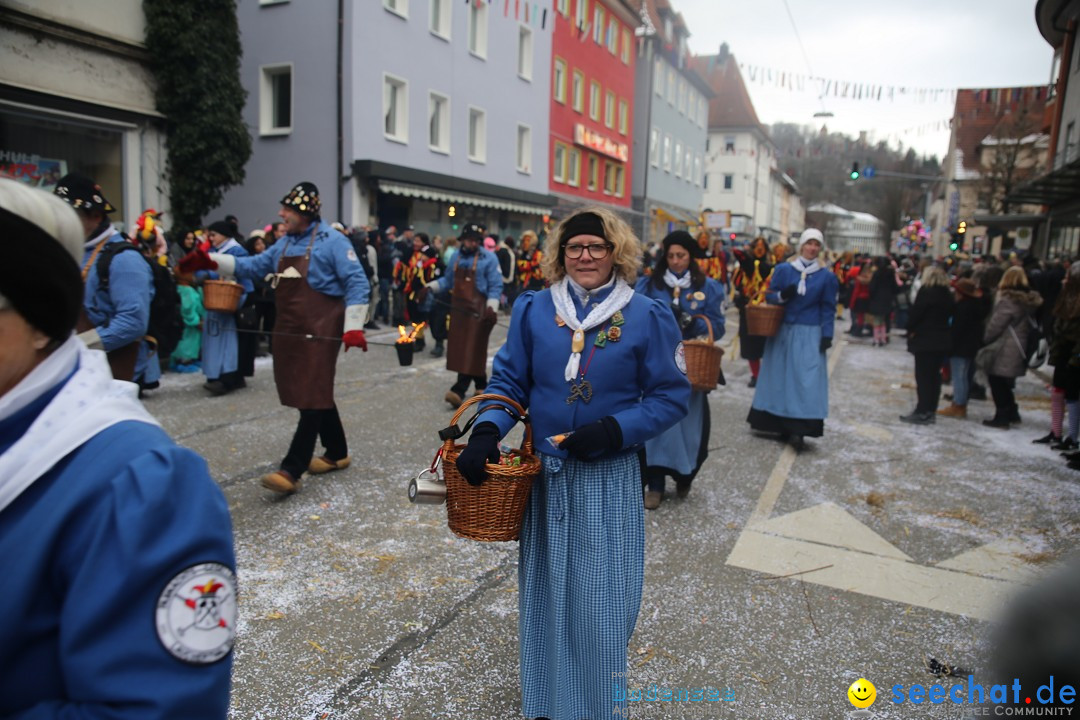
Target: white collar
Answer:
pixel 89 402
pixel 583 295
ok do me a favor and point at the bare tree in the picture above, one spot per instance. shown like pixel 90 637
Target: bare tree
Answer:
pixel 1008 157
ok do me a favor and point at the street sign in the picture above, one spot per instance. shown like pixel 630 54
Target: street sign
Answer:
pixel 717 220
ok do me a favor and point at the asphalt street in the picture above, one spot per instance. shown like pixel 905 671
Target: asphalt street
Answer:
pixel 783 578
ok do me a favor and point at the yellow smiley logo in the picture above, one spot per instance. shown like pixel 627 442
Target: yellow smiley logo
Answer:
pixel 862 693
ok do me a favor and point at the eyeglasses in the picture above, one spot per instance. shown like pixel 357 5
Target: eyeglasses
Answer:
pixel 597 251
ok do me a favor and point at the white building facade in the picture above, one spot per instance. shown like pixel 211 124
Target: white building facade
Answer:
pixel 77 95
pixel 421 112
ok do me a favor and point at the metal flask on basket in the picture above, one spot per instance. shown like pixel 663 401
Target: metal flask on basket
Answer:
pixel 428 487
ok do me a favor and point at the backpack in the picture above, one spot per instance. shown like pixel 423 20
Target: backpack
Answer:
pixel 166 324
pixel 1037 349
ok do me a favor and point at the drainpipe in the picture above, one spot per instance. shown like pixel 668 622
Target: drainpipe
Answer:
pixel 340 112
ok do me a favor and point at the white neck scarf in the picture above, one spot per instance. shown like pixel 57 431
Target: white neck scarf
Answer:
pixel 560 292
pixel 805 267
pixel 87 404
pixel 674 282
pixel 105 234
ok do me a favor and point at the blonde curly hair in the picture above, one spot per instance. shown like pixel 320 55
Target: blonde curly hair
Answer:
pixel 626 254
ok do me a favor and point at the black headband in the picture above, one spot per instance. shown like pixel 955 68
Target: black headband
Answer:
pixel 586 223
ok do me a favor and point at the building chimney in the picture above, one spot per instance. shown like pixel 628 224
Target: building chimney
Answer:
pixel 722 56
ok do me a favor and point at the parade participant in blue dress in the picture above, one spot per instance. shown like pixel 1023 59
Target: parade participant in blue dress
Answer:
pixel 116 308
pixel 119 569
pixel 220 345
pixel 678 282
pixel 792 396
pixel 589 357
pixel 474 281
pixel 321 293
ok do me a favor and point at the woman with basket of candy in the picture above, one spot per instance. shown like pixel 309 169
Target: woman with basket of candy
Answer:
pixel 679 283
pixel 792 397
pixel 601 371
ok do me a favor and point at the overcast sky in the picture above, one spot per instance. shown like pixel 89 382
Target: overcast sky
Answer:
pixel 915 43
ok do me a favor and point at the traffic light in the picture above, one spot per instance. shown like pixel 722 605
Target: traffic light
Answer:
pixel 961 228
pixel 954 246
pixel 452 211
pixel 854 171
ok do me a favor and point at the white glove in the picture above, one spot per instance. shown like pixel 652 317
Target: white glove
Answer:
pixel 493 303
pixel 355 316
pixel 226 264
pixel 92 339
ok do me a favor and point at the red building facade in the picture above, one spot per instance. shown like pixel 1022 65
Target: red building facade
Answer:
pixel 592 102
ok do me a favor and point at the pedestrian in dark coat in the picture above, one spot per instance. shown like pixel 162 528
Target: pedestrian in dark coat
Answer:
pixel 880 303
pixel 967 332
pixel 1007 331
pixel 1065 357
pixel 929 340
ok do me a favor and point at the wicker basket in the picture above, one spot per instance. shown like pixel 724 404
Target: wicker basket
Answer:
pixel 221 295
pixel 764 319
pixel 703 360
pixel 491 512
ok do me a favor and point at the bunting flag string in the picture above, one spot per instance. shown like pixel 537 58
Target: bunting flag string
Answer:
pixel 534 12
pixel 843 89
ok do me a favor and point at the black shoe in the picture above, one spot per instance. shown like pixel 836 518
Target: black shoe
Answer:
pixel 1074 464
pixel 1047 439
pixel 1066 445
pixel 919 418
pixel 437 351
pixel 995 422
pixel 1070 456
pixel 371 325
pixel 682 489
pixel 217 388
pixel 798 443
pixel 1014 416
pixel 753 382
pixel 977 393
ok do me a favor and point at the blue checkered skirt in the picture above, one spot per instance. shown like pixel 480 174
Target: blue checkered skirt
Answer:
pixel 580 571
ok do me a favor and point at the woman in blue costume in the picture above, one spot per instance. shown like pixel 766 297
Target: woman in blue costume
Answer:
pixel 220 345
pixel 591 356
pixel 792 395
pixel 119 571
pixel 678 282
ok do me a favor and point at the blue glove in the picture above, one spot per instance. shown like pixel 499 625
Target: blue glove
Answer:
pixel 789 292
pixel 483 448
pixel 594 440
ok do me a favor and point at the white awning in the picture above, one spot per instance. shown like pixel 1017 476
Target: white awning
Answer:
pixel 448 196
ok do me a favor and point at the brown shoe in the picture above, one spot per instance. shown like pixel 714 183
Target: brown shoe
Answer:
pixel 280 481
pixel 652 499
pixel 320 465
pixel 453 398
pixel 954 411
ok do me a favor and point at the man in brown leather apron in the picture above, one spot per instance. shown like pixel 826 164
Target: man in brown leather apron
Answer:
pixel 322 294
pixel 116 308
pixel 475 283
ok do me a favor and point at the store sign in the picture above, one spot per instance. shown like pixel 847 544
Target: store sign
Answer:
pixel 33 170
pixel 717 220
pixel 601 144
